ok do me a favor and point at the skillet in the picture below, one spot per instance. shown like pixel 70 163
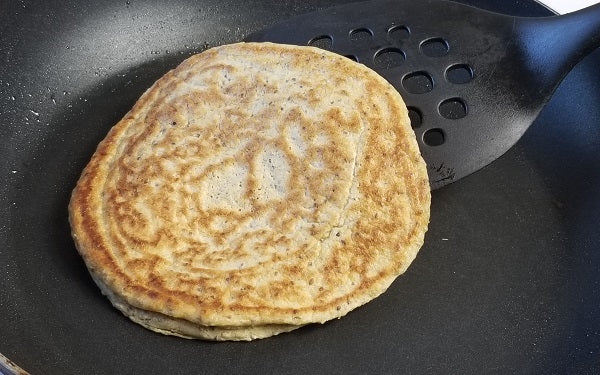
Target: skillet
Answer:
pixel 506 282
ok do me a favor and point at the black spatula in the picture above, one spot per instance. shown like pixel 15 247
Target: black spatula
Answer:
pixel 473 80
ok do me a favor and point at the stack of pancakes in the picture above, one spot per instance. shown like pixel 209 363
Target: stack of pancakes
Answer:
pixel 254 189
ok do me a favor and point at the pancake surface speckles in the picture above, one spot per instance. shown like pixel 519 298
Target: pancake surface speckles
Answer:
pixel 254 189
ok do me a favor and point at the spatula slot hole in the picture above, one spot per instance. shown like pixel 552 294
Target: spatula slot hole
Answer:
pixel 361 35
pixel 416 117
pixel 434 137
pixel 418 82
pixel 352 57
pixel 388 58
pixel 323 41
pixel 453 108
pixel 399 32
pixel 459 73
pixel 435 47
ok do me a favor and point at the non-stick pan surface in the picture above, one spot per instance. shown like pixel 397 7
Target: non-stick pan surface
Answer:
pixel 508 280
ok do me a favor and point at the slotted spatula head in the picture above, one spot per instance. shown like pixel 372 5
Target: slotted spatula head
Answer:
pixel 473 80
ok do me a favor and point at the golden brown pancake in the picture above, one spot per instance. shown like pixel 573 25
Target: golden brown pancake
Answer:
pixel 254 189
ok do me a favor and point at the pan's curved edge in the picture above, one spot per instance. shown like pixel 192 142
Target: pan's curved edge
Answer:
pixel 8 367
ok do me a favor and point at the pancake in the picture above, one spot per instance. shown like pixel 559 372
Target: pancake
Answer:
pixel 254 189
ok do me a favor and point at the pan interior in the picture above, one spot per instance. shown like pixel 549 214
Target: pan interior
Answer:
pixel 507 277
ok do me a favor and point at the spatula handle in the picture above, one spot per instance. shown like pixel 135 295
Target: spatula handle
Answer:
pixel 556 44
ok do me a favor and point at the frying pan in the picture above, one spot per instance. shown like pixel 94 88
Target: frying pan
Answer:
pixel 508 280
